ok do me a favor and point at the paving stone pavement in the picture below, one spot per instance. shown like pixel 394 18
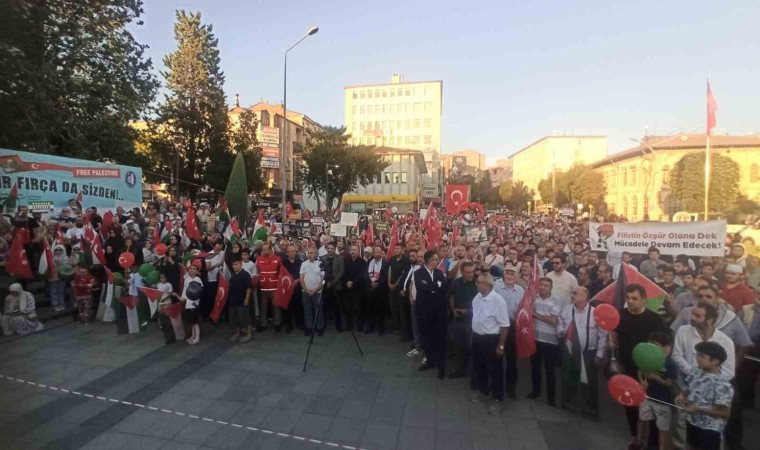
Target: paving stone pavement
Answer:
pixel 134 392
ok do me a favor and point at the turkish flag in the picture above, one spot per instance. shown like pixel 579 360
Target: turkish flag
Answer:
pixel 288 211
pixel 222 290
pixel 712 107
pixel 107 224
pixel 394 240
pixel 525 335
pixel 456 194
pixel 18 263
pixel 191 227
pixel 285 289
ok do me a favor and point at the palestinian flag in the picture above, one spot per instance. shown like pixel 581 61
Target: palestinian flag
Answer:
pixel 614 294
pixel 153 295
pixel 80 199
pixel 232 231
pixel 166 232
pixel 128 319
pixel 105 308
pixel 46 264
pixel 10 201
pixel 573 365
pixel 260 229
pixel 174 313
pixel 107 224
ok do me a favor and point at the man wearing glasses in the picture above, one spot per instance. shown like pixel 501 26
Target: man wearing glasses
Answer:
pixel 562 281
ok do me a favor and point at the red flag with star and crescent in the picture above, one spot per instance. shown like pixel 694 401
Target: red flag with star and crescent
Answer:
pixel 525 333
pixel 222 291
pixel 456 195
pixel 18 263
pixel 285 289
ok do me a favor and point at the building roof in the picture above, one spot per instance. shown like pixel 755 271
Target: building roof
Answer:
pixel 557 137
pixel 392 84
pixel 679 142
pixel 293 116
pixel 418 155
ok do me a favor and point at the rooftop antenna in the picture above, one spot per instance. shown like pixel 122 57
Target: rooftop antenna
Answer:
pixel 237 100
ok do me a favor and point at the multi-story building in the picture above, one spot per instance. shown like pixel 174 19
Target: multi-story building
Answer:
pixel 399 185
pixel 463 162
pixel 637 179
pixel 399 115
pixel 537 161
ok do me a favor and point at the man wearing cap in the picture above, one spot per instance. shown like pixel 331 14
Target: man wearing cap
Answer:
pixel 490 325
pixel 734 291
pixel 512 293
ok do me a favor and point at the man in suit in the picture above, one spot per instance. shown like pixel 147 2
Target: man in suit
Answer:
pixel 432 312
pixel 333 265
pixel 352 284
pixel 376 288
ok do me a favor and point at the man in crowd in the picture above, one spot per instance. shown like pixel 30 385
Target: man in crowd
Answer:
pixel 546 309
pixel 512 293
pixel 376 288
pixel 311 278
pixel 563 283
pixel 269 267
pixel 333 266
pixel 432 312
pixel 238 300
pixel 398 267
pixel 735 291
pixel 649 267
pixel 603 280
pixel 463 290
pixel 352 292
pixel 294 312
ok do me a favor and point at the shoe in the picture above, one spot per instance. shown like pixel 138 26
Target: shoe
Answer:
pixel 551 403
pixel 457 374
pixel 196 342
pixel 412 353
pixel 476 397
pixel 80 323
pixel 307 332
pixel 321 332
pixel 512 395
pixel 289 329
pixel 533 395
pixel 235 337
pixel 425 366
pixel 277 328
pixel 245 339
pixel 496 407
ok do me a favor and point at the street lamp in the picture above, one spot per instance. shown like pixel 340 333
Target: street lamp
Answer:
pixel 328 172
pixel 650 173
pixel 284 129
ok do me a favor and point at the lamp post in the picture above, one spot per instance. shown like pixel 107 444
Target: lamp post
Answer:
pixel 284 127
pixel 650 174
pixel 328 172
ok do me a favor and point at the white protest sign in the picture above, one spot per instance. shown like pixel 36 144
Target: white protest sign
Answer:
pixel 706 238
pixel 338 229
pixel 349 219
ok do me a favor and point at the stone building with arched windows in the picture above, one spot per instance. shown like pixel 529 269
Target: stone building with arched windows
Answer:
pixel 637 179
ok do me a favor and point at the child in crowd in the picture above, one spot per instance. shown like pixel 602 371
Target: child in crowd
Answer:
pixel 82 285
pixel 165 300
pixel 659 387
pixel 707 401
pixel 192 317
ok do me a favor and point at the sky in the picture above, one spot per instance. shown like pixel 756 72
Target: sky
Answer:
pixel 513 71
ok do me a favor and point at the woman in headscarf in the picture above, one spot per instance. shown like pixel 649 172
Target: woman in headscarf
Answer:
pixel 20 312
pixel 169 265
pixel 114 240
pixel 148 253
pixel 58 286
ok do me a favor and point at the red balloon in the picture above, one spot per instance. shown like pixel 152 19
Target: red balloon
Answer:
pixel 161 249
pixel 626 391
pixel 607 316
pixel 126 260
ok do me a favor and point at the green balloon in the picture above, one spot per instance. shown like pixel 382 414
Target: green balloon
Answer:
pixel 152 277
pixel 648 357
pixel 65 272
pixel 118 278
pixel 145 269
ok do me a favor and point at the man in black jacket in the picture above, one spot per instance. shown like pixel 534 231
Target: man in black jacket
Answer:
pixel 334 266
pixel 432 310
pixel 398 268
pixel 352 288
pixel 376 288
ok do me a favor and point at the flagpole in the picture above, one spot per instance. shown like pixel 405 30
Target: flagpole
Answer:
pixel 707 177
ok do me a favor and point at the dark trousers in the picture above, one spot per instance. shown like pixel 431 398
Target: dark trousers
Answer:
pixel 396 308
pixel 511 355
pixel 376 308
pixel 487 366
pixel 405 315
pixel 330 298
pixel 433 331
pixel 208 298
pixel 294 313
pixel 548 354
pixel 733 433
pixel 632 412
pixel 166 328
pixel 349 304
pixel 462 334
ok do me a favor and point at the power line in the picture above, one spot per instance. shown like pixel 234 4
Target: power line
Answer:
pixel 181 181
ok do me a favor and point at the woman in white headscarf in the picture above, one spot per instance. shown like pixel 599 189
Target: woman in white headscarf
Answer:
pixel 20 312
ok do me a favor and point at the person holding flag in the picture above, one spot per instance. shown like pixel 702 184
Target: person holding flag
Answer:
pixel 546 309
pixel 268 265
pixel 584 344
pixel 512 293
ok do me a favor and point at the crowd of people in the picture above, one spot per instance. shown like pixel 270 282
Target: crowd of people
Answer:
pixel 452 300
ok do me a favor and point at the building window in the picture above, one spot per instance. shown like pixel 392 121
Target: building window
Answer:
pixel 393 92
pixel 646 208
pixel 407 124
pixel 387 177
pixel 393 108
pixel 624 177
pixel 633 176
pixel 613 178
pixel 416 140
pixel 634 208
pixel 362 109
pixel 369 93
pixel 624 207
pixel 385 93
pixel 354 110
pixel 356 127
pixel 408 92
pixel 393 140
pixel 417 107
pixel 754 173
pixel 355 95
pixel 385 125
pixel 408 140
pixel 416 123
pixel 369 126
pixel 400 107
pixel 377 93
pixel 403 177
pixel 362 94
pixel 428 139
pixel 399 124
pixel 611 208
pixel 377 124
pixel 385 109
pixel 428 106
pixel 395 177
pixel 427 123
pixel 400 92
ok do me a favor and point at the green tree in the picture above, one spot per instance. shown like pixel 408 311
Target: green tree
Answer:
pixel 579 184
pixel 72 78
pixel 688 182
pixel 480 191
pixel 244 142
pixel 349 166
pixel 516 195
pixel 236 193
pixel 193 119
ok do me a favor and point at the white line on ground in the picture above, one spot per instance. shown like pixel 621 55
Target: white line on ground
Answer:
pixel 167 411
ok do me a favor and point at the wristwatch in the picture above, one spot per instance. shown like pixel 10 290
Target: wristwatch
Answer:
pixel 501 347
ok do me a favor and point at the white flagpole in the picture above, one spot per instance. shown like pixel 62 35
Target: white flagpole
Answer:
pixel 707 177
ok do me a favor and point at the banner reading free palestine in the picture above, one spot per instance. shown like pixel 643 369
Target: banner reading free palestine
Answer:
pixel 706 238
pixel 54 180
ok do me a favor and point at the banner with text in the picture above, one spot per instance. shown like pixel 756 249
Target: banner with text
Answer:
pixel 671 238
pixel 56 180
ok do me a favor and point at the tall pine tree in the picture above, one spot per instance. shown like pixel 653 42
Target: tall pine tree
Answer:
pixel 236 193
pixel 193 117
pixel 72 78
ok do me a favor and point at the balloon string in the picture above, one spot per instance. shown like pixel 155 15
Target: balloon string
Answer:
pixel 752 358
pixel 664 403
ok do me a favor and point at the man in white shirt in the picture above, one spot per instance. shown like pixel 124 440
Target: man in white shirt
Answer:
pixel 627 261
pixel 312 277
pixel 493 258
pixel 585 344
pixel 546 311
pixel 490 324
pixel 76 233
pixel 563 282
pixel 512 293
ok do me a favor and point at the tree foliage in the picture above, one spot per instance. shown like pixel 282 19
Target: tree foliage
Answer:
pixel 72 78
pixel 356 165
pixel 244 142
pixel 192 120
pixel 516 195
pixel 482 190
pixel 579 184
pixel 688 182
pixel 236 193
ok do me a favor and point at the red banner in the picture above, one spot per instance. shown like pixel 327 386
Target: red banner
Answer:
pixel 456 195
